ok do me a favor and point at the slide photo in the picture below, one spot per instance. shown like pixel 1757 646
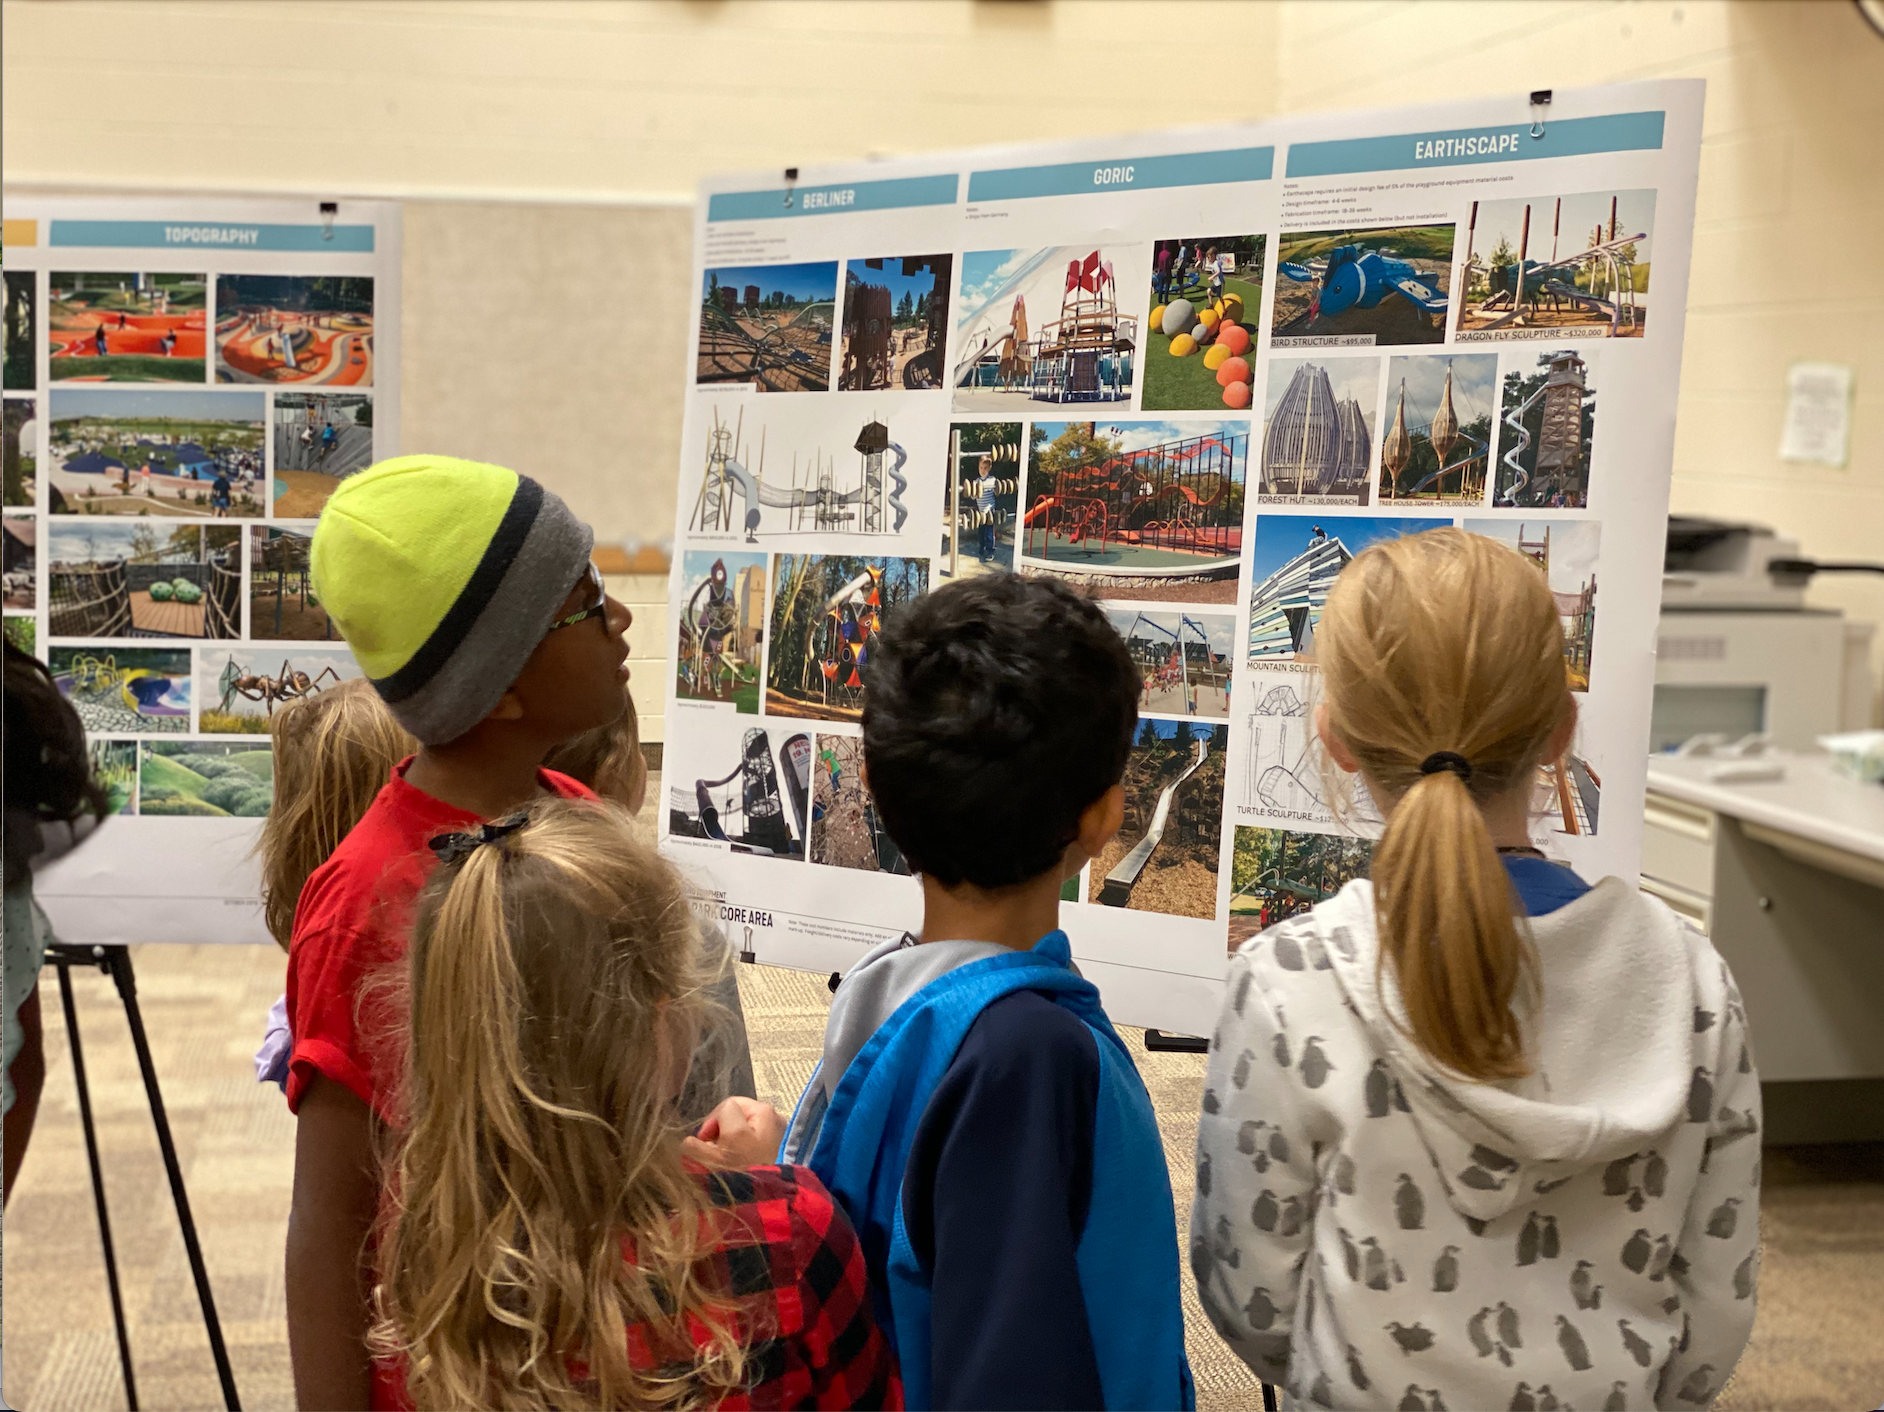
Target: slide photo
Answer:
pixel 19 536
pixel 744 785
pixel 980 493
pixel 114 766
pixel 768 327
pixel 722 629
pixel 1565 553
pixel 845 830
pixel 1439 429
pixel 1545 266
pixel 1165 858
pixel 246 682
pixel 1276 874
pixel 138 578
pixel 1549 429
pixel 118 327
pixel 1383 285
pixel 896 321
pixel 826 608
pixel 128 451
pixel 125 689
pixel 1206 302
pixel 1318 439
pixel 21 369
pixel 295 329
pixel 320 438
pixel 1568 799
pixel 1138 509
pixel 206 779
pixel 20 462
pixel 1295 563
pixel 282 605
pixel 1045 326
pixel 1185 658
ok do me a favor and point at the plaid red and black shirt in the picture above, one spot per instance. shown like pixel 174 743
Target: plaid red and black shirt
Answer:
pixel 791 1261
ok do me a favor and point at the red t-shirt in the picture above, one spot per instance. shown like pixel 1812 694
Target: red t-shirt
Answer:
pixel 352 919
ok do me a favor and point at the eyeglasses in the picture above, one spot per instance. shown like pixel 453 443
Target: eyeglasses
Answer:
pixel 599 608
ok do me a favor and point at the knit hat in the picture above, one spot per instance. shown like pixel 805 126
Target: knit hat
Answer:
pixel 443 576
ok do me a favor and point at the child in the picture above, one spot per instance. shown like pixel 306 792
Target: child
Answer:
pixel 551 1246
pixel 1450 1157
pixel 467 596
pixel 1213 268
pixel 975 1113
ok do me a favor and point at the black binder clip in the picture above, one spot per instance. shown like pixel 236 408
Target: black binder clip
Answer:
pixel 1540 100
pixel 791 180
pixel 329 209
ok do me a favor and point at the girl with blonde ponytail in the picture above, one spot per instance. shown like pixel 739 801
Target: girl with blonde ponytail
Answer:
pixel 1476 1133
pixel 554 1237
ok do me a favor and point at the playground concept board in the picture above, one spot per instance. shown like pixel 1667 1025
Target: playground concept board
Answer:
pixel 186 383
pixel 1192 375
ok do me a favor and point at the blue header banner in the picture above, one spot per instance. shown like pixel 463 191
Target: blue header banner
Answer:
pixel 212 235
pixel 834 199
pixel 1462 147
pixel 1124 174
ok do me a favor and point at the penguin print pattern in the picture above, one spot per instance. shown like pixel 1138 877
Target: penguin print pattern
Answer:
pixel 1359 1212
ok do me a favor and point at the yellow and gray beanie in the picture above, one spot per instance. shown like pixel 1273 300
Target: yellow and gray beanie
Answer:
pixel 443 576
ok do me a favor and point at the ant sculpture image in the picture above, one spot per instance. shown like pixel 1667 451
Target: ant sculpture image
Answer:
pixel 288 686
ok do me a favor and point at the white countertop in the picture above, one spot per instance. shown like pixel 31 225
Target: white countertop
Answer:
pixel 1813 801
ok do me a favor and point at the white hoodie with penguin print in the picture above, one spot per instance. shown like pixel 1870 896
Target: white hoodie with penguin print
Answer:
pixel 1370 1230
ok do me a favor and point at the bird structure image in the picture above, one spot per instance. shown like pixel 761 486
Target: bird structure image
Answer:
pixel 759 804
pixel 896 320
pixel 1086 352
pixel 1277 873
pixel 1432 450
pixel 722 626
pixel 845 829
pixel 1549 431
pixel 817 496
pixel 1165 857
pixel 980 498
pixel 826 612
pixel 768 326
pixel 1318 444
pixel 1383 286
pixel 1592 278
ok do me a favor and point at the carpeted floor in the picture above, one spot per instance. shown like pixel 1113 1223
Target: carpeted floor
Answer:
pixel 1818 1342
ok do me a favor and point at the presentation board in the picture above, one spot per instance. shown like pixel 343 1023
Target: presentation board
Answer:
pixel 186 383
pixel 1192 374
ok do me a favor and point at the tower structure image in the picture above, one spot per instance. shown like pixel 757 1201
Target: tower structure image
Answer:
pixel 1560 439
pixel 872 442
pixel 1315 444
pixel 1085 355
pixel 1577 610
pixel 1285 605
pixel 749 607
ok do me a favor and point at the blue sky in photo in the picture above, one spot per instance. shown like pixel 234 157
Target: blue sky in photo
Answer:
pixel 1279 538
pixel 1219 628
pixel 891 277
pixel 1136 435
pixel 805 283
pixel 1173 730
pixel 185 404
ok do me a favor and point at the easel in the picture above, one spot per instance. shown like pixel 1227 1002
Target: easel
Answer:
pixel 115 961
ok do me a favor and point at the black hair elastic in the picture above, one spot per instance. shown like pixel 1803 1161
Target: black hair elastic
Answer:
pixel 1447 760
pixel 455 847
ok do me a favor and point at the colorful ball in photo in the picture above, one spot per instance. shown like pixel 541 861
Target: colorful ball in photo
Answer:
pixel 1217 355
pixel 1183 345
pixel 1236 394
pixel 1233 370
pixel 1177 318
pixel 1233 336
pixel 1208 318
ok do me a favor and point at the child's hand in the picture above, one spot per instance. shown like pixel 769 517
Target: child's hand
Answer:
pixel 741 1132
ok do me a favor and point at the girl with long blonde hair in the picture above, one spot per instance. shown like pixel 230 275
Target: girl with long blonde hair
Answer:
pixel 1476 1133
pixel 554 1238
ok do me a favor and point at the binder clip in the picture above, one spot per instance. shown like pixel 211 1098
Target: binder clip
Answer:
pixel 329 209
pixel 1540 100
pixel 791 180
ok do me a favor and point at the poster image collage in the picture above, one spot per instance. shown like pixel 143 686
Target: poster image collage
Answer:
pixel 170 440
pixel 1347 406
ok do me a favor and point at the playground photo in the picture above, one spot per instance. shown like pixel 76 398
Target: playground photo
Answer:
pixel 1568 799
pixel 1138 510
pixel 1276 874
pixel 125 689
pixel 295 328
pixel 1165 858
pixel 205 779
pixel 1565 553
pixel 799 470
pixel 19 463
pixel 1382 285
pixel 1544 266
pixel 320 437
pixel 23 633
pixel 768 326
pixel 282 605
pixel 826 608
pixel 739 784
pixel 186 455
pixel 1318 437
pixel 143 579
pixel 1282 774
pixel 21 372
pixel 19 536
pixel 119 327
pixel 1184 657
pixel 845 831
pixel 980 491
pixel 721 631
pixel 1439 428
pixel 244 685
pixel 1294 565
pixel 1206 302
pixel 896 320
pixel 1549 417
pixel 1045 326
pixel 114 766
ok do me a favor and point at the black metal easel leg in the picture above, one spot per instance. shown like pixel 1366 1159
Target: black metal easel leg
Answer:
pixel 98 1180
pixel 1269 1399
pixel 119 960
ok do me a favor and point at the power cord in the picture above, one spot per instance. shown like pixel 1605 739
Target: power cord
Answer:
pixel 1805 568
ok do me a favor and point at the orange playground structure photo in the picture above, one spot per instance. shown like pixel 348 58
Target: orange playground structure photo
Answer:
pixel 126 327
pixel 295 329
